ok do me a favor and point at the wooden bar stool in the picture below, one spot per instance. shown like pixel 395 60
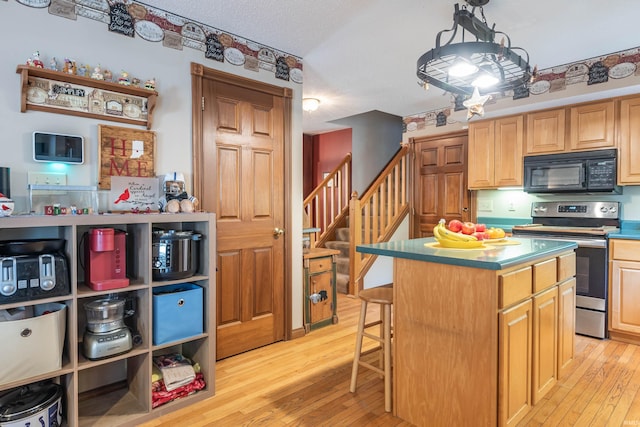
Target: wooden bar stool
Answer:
pixel 382 295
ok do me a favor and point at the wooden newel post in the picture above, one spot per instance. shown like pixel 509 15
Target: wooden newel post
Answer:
pixel 355 233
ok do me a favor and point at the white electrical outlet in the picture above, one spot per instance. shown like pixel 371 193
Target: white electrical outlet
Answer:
pixel 41 178
pixel 485 205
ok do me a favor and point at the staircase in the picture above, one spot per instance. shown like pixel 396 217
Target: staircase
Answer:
pixel 342 260
pixel 378 213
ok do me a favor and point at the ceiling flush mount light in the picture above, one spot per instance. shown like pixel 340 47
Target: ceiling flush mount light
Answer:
pixel 310 104
pixel 458 66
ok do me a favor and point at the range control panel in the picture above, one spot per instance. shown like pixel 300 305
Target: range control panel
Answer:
pixel 609 210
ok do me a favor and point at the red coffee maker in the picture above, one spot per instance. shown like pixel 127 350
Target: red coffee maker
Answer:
pixel 105 259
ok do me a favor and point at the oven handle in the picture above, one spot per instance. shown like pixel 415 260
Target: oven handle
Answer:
pixel 582 243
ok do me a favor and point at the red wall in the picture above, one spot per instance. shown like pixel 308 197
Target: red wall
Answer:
pixel 321 153
pixel 329 149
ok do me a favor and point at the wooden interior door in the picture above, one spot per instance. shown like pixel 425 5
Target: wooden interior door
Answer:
pixel 243 183
pixel 440 182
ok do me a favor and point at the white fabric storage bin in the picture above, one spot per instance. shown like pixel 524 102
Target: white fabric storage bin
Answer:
pixel 36 343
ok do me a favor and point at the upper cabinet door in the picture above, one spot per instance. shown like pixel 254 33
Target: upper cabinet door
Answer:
pixel 629 134
pixel 592 126
pixel 481 164
pixel 495 153
pixel 545 131
pixel 509 139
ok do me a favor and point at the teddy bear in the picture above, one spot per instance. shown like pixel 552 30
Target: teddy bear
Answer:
pixel 176 199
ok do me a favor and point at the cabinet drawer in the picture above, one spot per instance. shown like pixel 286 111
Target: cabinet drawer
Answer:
pixel 544 275
pixel 628 250
pixel 514 287
pixel 566 266
pixel 320 264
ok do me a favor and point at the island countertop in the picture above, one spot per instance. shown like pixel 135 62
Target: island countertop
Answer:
pixel 494 256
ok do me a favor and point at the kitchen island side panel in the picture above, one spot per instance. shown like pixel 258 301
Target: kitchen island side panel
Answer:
pixel 445 344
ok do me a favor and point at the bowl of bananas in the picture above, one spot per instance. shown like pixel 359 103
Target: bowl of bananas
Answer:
pixel 455 240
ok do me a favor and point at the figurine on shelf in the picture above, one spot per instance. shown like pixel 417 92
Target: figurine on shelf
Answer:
pixel 124 79
pixel 69 66
pixel 150 84
pixel 135 82
pixel 176 199
pixel 83 70
pixel 108 76
pixel 37 62
pixel 53 64
pixel 97 73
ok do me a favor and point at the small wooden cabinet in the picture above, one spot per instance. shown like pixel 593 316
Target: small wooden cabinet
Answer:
pixel 545 131
pixel 495 153
pixel 320 299
pixel 624 290
pixel 629 141
pixel 592 126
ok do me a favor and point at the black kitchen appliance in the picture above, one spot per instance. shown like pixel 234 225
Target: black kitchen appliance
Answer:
pixel 577 172
pixel 587 224
pixel 175 254
pixel 33 269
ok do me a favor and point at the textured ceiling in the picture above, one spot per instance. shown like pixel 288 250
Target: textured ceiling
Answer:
pixel 360 55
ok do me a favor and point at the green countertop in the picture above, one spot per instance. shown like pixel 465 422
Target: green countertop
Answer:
pixel 496 257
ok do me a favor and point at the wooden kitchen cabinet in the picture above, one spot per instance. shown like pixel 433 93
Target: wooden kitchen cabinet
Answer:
pixel 320 299
pixel 566 323
pixel 516 329
pixel 495 153
pixel 450 346
pixel 545 343
pixel 545 131
pixel 536 329
pixel 591 126
pixel 624 290
pixel 629 141
pixel 117 390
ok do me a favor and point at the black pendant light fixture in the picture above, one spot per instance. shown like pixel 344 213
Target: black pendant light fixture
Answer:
pixel 472 59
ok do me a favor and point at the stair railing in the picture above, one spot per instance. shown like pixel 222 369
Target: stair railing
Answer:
pixel 328 204
pixel 378 213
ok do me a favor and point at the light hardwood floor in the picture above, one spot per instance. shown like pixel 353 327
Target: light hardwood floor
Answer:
pixel 305 382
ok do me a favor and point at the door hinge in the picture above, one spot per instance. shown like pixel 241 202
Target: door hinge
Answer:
pixel 203 103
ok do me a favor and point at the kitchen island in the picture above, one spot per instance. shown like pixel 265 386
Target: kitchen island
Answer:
pixel 480 335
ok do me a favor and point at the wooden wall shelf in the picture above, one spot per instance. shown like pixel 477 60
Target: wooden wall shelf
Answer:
pixel 113 101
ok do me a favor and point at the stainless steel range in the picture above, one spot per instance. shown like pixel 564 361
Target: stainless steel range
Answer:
pixel 587 224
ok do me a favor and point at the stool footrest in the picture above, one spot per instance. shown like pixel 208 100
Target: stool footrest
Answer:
pixel 370 366
pixel 373 337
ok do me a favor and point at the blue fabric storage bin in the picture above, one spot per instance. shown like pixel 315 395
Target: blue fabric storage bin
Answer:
pixel 177 312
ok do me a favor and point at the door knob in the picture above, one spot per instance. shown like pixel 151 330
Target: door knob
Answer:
pixel 277 232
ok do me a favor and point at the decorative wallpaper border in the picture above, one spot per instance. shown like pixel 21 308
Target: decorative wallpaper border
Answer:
pixel 132 18
pixel 592 71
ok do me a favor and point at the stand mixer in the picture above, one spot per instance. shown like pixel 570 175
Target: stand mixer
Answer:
pixel 106 334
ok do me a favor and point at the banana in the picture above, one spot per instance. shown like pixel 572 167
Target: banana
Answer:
pixel 449 239
pixel 448 234
pixel 460 245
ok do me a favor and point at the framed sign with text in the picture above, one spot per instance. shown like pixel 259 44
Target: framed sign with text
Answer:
pixel 125 152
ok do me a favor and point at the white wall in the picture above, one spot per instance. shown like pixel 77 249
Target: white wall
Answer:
pixel 24 30
pixel 381 272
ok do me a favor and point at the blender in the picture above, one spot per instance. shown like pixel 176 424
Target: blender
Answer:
pixel 106 334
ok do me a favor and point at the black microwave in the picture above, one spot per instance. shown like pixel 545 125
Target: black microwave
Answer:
pixel 578 172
